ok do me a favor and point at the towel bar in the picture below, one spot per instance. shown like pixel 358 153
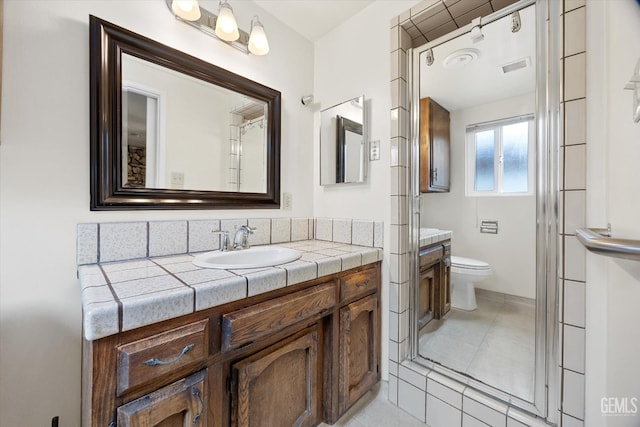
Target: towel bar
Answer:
pixel 599 241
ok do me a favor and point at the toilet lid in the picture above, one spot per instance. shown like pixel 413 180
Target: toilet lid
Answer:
pixel 469 263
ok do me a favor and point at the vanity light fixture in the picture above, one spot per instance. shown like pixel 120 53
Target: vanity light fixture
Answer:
pixel 186 9
pixel 226 25
pixel 223 26
pixel 258 43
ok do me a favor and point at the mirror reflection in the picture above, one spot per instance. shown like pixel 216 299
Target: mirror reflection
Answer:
pixel 179 132
pixel 488 90
pixel 342 143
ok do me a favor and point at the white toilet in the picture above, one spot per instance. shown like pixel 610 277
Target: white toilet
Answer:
pixel 465 272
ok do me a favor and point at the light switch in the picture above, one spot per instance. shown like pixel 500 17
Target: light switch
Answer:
pixel 177 180
pixel 374 150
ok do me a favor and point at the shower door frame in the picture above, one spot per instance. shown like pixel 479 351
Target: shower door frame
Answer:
pixel 548 133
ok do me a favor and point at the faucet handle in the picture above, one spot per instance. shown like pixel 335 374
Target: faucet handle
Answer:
pixel 224 239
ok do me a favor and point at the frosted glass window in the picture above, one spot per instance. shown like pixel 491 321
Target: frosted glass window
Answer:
pixel 485 164
pixel 515 164
pixel 500 157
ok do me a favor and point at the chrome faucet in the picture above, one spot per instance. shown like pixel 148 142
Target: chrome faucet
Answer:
pixel 241 238
pixel 224 239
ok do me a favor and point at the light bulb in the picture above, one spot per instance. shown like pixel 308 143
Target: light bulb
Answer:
pixel 258 43
pixel 186 9
pixel 226 26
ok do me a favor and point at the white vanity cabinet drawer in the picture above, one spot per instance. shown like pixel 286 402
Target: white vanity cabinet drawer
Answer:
pixel 160 356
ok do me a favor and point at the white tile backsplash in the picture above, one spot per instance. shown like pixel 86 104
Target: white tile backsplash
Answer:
pixel 324 229
pixel 262 233
pixel 378 234
pixel 123 240
pixel 299 229
pixel 280 230
pixel 201 237
pixel 167 238
pixel 342 230
pixel 87 244
pixel 362 233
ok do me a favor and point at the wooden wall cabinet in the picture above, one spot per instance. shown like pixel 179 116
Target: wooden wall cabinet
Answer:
pixel 434 147
pixel 295 356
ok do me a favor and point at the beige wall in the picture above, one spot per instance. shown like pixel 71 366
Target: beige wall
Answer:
pixel 44 177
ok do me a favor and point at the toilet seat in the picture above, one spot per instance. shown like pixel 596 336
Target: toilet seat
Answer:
pixel 469 263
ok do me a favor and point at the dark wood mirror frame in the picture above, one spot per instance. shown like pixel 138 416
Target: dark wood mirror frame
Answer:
pixel 107 43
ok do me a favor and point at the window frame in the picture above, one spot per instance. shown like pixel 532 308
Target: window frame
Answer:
pixel 470 156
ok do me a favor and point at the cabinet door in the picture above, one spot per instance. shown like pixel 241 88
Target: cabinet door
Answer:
pixel 434 147
pixel 426 295
pixel 279 386
pixel 445 286
pixel 359 350
pixel 179 404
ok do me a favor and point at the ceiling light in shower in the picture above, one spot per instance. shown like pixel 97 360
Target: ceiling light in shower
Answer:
pixel 460 58
pixel 429 57
pixel 516 23
pixel 476 30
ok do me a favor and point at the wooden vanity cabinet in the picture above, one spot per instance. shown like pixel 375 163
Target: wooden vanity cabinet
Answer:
pixel 281 385
pixel 298 355
pixel 434 147
pixel 434 290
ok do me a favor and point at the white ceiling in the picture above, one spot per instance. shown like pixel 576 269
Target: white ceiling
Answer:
pixel 313 18
pixel 482 81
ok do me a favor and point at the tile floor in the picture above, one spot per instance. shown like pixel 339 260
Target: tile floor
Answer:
pixel 374 410
pixel 494 344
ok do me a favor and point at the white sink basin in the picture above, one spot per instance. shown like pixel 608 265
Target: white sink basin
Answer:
pixel 258 256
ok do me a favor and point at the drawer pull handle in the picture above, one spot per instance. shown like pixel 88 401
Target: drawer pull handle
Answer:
pixel 362 284
pixel 196 393
pixel 154 361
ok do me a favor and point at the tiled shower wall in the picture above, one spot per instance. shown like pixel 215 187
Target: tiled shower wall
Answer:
pixel 431 397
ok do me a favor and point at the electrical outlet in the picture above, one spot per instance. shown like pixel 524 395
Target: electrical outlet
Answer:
pixel 177 180
pixel 287 202
pixel 374 150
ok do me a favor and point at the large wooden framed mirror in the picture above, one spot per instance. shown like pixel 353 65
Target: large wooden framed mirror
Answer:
pixel 170 131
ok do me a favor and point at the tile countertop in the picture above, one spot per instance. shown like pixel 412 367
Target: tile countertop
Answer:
pixel 121 296
pixel 429 236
